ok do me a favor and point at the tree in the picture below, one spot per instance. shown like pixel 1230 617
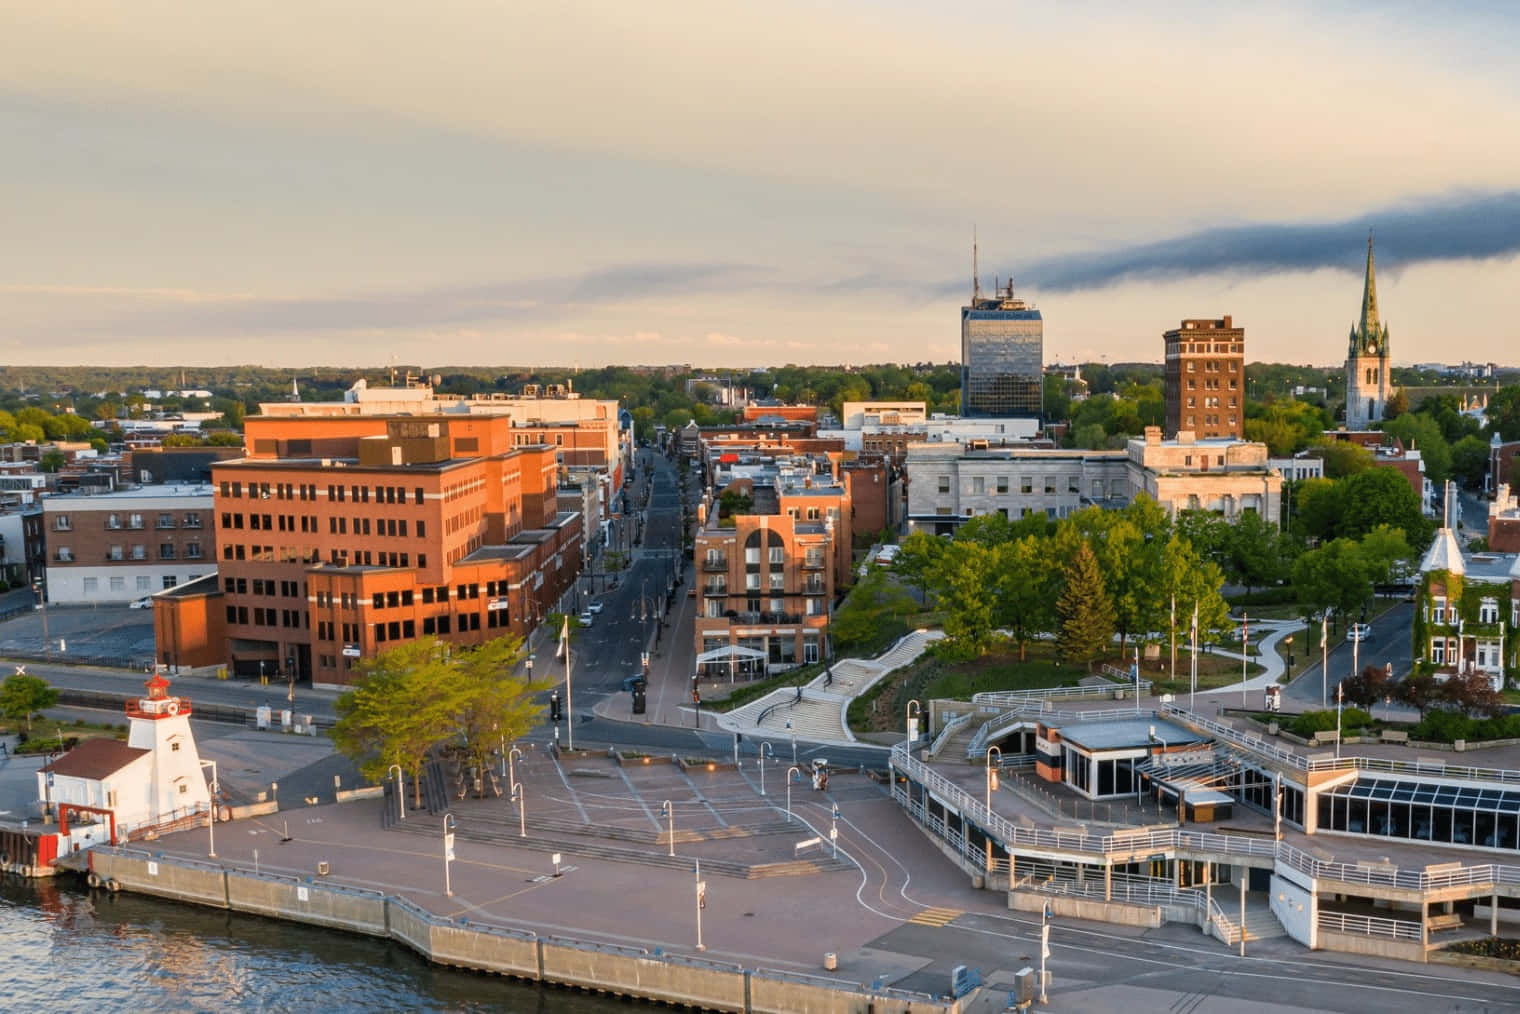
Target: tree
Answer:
pixel 915 562
pixel 1421 432
pixel 1343 458
pixel 1023 584
pixel 22 696
pixel 1420 691
pixel 53 460
pixel 961 580
pixel 1469 461
pixel 1332 578
pixel 1083 612
pixel 1504 412
pixel 1367 687
pixel 1317 509
pixel 495 705
pixel 1397 405
pixel 1384 551
pixel 1254 553
pixel 1472 694
pixel 1382 496
pixel 403 706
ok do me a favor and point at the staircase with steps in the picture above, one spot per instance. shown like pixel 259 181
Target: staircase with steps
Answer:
pixel 1261 924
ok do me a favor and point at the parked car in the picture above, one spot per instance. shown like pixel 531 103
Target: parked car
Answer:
pixel 1358 632
pixel 594 608
pixel 146 602
pixel 586 618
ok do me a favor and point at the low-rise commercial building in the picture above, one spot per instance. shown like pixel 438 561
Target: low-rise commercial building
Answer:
pixel 125 545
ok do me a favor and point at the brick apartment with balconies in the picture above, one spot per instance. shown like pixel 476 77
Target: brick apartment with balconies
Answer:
pixel 767 574
pixel 126 545
pixel 339 537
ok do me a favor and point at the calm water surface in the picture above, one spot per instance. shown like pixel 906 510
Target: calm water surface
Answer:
pixel 64 948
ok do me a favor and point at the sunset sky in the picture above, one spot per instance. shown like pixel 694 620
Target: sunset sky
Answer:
pixel 730 184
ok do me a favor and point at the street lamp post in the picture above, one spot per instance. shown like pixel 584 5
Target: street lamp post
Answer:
pixel 400 791
pixel 668 811
pixel 915 709
pixel 1324 660
pixel 834 830
pixel 211 825
pixel 520 797
pixel 792 773
pixel 1245 651
pixel 764 747
pixel 701 904
pixel 1339 696
pixel 512 754
pixel 793 734
pixel 992 777
pixel 448 852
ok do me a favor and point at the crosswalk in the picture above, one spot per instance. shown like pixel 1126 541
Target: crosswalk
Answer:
pixel 936 917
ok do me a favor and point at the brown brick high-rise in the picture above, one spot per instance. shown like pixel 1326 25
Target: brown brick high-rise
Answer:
pixel 1206 379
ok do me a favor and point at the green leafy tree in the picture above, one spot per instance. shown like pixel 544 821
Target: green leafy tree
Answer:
pixel 495 704
pixel 1503 412
pixel 1343 458
pixel 1023 584
pixel 403 706
pixel 1419 431
pixel 52 460
pixel 1084 614
pixel 1384 552
pixel 1469 461
pixel 1382 496
pixel 917 558
pixel 1332 578
pixel 1317 505
pixel 22 696
pixel 962 580
pixel 1254 551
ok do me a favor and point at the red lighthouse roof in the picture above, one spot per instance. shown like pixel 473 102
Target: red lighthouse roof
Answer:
pixel 158 688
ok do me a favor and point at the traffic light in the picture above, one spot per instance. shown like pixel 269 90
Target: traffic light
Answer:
pixel 555 711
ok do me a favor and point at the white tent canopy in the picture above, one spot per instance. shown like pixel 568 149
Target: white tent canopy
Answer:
pixel 729 653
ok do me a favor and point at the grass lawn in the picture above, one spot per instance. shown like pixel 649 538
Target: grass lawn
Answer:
pixel 1213 671
pixel 45 733
pixel 881 708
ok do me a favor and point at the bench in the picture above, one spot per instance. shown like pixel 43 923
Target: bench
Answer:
pixel 1394 736
pixel 1445 921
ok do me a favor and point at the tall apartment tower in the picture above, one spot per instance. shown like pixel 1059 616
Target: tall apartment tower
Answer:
pixel 1206 378
pixel 1002 356
pixel 1368 380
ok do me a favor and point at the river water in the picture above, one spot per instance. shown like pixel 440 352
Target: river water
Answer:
pixel 64 948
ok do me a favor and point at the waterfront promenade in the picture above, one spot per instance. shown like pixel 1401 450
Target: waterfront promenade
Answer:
pixel 898 916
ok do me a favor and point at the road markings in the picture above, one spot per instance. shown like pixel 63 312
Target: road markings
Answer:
pixel 936 916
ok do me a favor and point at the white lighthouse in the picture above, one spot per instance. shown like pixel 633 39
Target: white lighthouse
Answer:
pixel 106 790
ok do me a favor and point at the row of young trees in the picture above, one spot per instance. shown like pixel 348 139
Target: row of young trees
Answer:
pixel 1084 579
pixel 427 694
pixel 1469 694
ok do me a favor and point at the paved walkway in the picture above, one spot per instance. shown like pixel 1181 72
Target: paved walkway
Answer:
pixel 1267 657
pixel 816 712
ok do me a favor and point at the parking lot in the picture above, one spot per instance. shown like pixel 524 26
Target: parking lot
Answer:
pixel 98 635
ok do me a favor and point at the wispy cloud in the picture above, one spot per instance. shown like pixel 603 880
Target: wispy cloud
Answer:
pixel 1465 228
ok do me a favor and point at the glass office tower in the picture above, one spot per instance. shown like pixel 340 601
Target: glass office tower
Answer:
pixel 1002 358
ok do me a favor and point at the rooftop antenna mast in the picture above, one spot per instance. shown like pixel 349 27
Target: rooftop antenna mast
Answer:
pixel 976 278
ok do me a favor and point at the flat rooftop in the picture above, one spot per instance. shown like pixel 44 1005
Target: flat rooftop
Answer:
pixel 1127 734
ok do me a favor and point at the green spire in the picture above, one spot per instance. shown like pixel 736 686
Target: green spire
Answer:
pixel 1369 297
pixel 1368 336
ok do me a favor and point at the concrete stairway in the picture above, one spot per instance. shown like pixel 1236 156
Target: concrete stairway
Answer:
pixel 1261 924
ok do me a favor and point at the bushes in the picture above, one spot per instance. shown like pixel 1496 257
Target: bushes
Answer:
pixel 1310 722
pixel 1442 726
pixel 1282 596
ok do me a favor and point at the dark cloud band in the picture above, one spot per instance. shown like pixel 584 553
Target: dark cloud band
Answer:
pixel 1465 228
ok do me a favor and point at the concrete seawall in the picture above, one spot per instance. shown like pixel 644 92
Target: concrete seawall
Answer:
pixel 505 950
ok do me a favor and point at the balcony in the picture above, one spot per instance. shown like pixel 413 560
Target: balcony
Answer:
pixel 813 563
pixel 712 565
pixel 766 618
pixel 715 589
pixel 813 586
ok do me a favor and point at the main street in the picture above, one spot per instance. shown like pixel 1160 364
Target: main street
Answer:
pixel 1388 642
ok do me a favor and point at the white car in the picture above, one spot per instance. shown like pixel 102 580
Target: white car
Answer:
pixel 1358 632
pixel 594 608
pixel 586 618
pixel 146 602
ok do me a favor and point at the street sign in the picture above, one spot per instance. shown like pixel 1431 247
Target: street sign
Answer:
pixel 496 604
pixel 807 843
pixel 833 834
pixel 448 846
pixel 351 651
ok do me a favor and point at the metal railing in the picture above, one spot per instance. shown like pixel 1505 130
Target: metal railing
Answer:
pixel 951 727
pixel 1370 926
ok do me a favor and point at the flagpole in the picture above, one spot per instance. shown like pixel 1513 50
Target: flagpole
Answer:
pixel 569 699
pixel 1193 681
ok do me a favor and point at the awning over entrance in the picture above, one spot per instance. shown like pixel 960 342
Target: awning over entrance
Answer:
pixel 729 653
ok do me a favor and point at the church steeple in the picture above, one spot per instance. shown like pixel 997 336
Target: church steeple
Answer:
pixel 1369 296
pixel 1368 335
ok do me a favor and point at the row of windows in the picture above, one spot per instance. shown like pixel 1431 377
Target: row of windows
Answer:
pixel 310 554
pixel 262 616
pixel 1026 484
pixel 144 583
pixel 1209 420
pixel 1208 403
pixel 116 553
pixel 336 492
pixel 264 586
pixel 134 522
pixel 1211 365
pixel 1209 384
pixel 1437 611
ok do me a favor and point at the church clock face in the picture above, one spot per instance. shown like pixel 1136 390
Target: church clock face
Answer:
pixel 1372 346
